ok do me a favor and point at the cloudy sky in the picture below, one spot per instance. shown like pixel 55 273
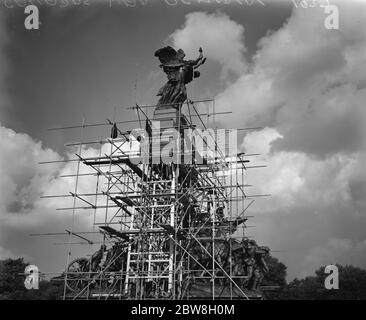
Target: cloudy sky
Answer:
pixel 272 63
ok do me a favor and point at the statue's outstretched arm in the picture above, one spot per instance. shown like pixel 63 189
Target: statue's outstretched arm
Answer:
pixel 200 60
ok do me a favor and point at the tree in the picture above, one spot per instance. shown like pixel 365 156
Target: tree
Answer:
pixel 12 283
pixel 276 276
pixel 352 285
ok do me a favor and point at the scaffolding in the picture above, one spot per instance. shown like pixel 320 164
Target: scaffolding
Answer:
pixel 170 229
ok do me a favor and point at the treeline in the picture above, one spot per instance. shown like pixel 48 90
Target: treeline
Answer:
pixel 352 286
pixel 352 283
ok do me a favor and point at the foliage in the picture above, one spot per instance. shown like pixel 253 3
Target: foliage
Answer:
pixel 12 283
pixel 352 285
pixel 276 276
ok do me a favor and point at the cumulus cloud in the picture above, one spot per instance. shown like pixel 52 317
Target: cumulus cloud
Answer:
pixel 221 38
pixel 22 183
pixel 308 82
pixel 294 179
pixel 307 85
pixel 260 140
pixel 23 212
pixel 312 200
pixel 22 178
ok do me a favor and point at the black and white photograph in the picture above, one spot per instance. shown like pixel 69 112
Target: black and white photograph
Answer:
pixel 205 152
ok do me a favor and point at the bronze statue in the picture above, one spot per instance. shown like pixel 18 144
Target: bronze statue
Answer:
pixel 179 73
